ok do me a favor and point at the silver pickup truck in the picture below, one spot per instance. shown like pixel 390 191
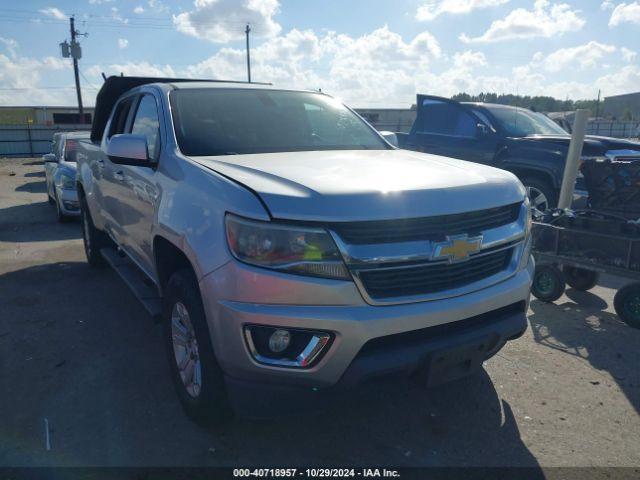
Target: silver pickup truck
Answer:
pixel 289 250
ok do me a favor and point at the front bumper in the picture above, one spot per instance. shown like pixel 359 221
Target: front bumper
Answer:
pixel 236 295
pixel 68 199
pixel 431 356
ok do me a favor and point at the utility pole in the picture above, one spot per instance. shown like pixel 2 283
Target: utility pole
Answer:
pixel 598 105
pixel 246 31
pixel 75 70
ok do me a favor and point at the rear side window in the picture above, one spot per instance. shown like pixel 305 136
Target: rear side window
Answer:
pixel 442 118
pixel 147 123
pixel 70 150
pixel 119 120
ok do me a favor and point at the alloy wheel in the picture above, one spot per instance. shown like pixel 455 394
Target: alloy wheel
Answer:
pixel 185 350
pixel 538 199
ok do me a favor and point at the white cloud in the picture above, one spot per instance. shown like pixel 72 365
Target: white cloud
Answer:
pixel 376 67
pixel 10 45
pixel 157 6
pixel 54 12
pixel 581 57
pixel 625 13
pixel 222 21
pixel 606 5
pixel 432 9
pixel 139 9
pixel 545 20
pixel 115 15
pixel 100 2
pixel 628 55
pixel 469 59
pixel 380 68
pixel 20 78
pixel 123 43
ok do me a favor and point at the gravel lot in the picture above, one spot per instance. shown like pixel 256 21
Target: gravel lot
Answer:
pixel 78 350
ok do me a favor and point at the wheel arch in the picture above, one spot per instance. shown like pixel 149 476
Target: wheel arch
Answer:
pixel 169 258
pixel 526 172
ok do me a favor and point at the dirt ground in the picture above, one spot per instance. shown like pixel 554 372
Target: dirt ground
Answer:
pixel 77 350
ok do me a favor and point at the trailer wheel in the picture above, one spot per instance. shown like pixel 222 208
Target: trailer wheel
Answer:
pixel 580 278
pixel 627 304
pixel 548 283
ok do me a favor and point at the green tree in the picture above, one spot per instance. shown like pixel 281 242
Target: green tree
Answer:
pixel 538 103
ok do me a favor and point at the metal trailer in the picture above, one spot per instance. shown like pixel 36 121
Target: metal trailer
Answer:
pixel 576 256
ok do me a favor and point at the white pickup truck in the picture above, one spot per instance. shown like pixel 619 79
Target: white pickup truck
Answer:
pixel 290 250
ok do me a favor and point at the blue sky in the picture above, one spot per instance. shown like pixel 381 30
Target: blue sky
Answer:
pixel 367 52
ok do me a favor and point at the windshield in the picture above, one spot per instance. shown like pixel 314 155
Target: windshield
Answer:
pixel 520 122
pixel 236 121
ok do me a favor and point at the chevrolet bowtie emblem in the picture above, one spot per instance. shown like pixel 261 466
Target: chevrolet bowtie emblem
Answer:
pixel 457 248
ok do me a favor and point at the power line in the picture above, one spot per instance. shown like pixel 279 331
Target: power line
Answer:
pixel 19 89
pixel 85 79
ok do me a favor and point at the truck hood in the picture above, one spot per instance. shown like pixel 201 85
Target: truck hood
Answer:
pixel 593 145
pixel 348 185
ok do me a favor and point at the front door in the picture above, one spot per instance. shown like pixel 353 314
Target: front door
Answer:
pixel 108 180
pixel 445 127
pixel 138 192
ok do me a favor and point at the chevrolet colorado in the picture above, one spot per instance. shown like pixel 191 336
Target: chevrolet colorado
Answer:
pixel 290 250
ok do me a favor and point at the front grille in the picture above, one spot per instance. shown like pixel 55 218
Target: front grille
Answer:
pixel 427 279
pixel 425 228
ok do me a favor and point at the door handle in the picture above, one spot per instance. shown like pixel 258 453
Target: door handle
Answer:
pixel 119 175
pixel 100 163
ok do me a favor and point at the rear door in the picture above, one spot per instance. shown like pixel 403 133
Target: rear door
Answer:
pixel 445 127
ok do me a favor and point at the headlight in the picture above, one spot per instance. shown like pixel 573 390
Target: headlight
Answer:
pixel 305 251
pixel 67 182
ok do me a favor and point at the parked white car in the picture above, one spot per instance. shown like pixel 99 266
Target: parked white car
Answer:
pixel 60 173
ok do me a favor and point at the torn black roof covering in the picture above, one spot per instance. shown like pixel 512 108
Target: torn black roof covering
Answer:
pixel 115 86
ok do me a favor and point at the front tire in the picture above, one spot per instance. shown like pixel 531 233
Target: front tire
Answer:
pixel 196 375
pixel 94 240
pixel 541 193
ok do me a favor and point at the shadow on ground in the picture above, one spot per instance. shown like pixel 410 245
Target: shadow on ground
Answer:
pixel 587 331
pixel 35 175
pixel 35 222
pixel 87 357
pixel 33 187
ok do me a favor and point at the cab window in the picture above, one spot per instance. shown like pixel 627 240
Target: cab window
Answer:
pixel 147 123
pixel 119 120
pixel 442 118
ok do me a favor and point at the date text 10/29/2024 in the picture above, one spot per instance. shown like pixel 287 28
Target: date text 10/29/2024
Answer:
pixel 315 473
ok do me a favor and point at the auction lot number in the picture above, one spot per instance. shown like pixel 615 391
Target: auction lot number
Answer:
pixel 314 473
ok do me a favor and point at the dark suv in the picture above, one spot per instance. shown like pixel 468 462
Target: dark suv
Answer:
pixel 524 142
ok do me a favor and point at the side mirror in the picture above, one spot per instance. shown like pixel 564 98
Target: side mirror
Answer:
pixel 481 130
pixel 50 158
pixel 128 149
pixel 390 137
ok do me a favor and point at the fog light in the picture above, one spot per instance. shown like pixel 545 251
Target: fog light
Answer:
pixel 286 347
pixel 279 341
